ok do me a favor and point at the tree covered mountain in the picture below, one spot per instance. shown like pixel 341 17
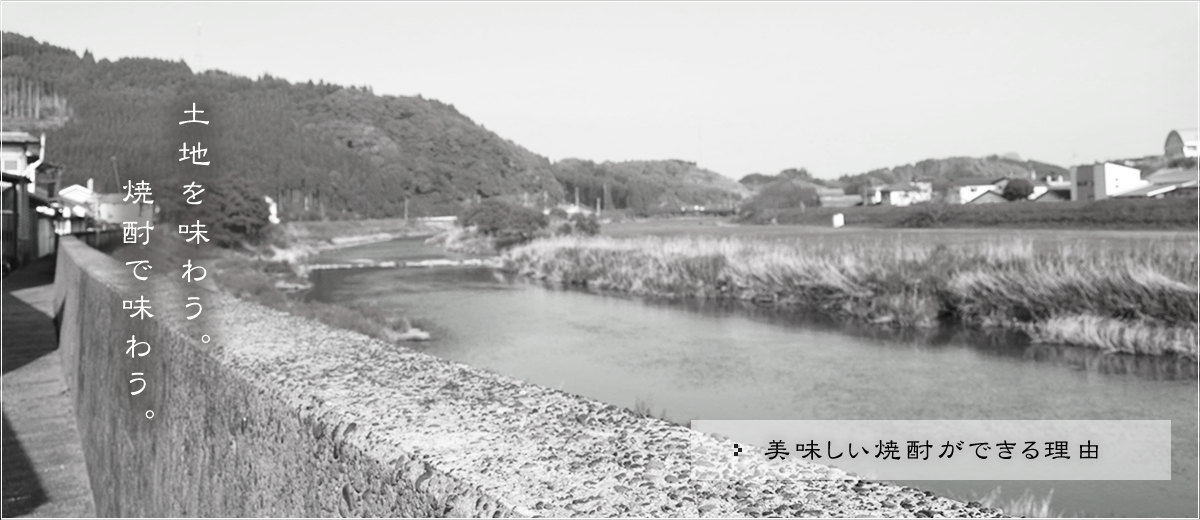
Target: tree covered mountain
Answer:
pixel 321 150
pixel 329 151
pixel 647 187
pixel 945 171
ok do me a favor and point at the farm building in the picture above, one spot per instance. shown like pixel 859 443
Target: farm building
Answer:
pixel 1103 180
pixel 1051 195
pixel 1181 143
pixel 836 198
pixel 900 194
pixel 988 197
pixel 1169 182
pixel 1051 183
pixel 965 190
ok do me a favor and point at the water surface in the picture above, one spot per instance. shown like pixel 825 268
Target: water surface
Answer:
pixel 692 360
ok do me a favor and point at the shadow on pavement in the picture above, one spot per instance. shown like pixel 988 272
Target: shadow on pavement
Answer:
pixel 22 489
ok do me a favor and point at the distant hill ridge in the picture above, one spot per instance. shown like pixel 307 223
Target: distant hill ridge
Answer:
pixel 321 150
pixel 647 186
pixel 942 172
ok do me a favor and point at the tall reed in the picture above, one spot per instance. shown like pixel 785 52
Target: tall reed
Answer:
pixel 1131 300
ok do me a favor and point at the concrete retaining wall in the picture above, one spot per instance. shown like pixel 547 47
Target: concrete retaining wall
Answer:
pixel 280 416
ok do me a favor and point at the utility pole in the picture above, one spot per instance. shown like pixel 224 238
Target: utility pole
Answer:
pixel 115 176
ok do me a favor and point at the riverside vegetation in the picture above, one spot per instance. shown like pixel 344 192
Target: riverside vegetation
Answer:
pixel 268 270
pixel 1140 301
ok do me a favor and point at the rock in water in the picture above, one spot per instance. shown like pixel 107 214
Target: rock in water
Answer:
pixel 414 334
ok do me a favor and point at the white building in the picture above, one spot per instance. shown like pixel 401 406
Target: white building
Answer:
pixel 1103 180
pixel 1050 183
pixel 963 191
pixel 900 194
pixel 21 154
pixel 1181 143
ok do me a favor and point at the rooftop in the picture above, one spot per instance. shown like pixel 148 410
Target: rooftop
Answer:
pixel 18 137
pixel 1174 175
pixel 1148 191
pixel 976 181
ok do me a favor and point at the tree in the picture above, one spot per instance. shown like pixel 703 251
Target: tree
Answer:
pixel 1018 189
pixel 234 210
pixel 508 224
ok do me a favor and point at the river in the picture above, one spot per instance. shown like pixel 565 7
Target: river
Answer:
pixel 696 360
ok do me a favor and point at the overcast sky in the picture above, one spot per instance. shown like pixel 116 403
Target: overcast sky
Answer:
pixel 737 87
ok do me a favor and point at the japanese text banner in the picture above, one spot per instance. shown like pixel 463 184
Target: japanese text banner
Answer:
pixel 960 450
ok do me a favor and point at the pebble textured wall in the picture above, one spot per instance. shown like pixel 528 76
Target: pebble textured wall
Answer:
pixel 280 416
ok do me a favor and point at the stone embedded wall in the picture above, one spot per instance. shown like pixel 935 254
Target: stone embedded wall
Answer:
pixel 281 416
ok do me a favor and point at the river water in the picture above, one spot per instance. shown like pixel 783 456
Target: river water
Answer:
pixel 695 360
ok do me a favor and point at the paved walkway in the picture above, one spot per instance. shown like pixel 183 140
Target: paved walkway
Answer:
pixel 44 470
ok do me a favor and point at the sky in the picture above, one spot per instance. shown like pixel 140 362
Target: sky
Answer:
pixel 738 88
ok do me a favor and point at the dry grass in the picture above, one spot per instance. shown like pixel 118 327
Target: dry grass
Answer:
pixel 1140 300
pixel 1027 505
pixel 294 241
pixel 251 274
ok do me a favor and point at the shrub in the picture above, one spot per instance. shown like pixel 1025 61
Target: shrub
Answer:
pixel 585 224
pixel 233 211
pixel 1018 189
pixel 783 194
pixel 505 223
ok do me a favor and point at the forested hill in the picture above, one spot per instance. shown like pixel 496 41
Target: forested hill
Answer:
pixel 647 187
pixel 321 149
pixel 944 171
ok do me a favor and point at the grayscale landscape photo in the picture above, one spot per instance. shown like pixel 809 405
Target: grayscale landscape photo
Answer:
pixel 534 259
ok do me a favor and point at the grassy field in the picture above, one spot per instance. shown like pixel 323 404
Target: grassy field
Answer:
pixel 1140 298
pixel 827 235
pixel 1152 214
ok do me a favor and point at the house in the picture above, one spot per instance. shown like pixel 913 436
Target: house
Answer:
pixel 1168 182
pixel 900 194
pixel 1055 183
pixel 1051 195
pixel 21 154
pixel 111 208
pixel 29 213
pixel 964 190
pixel 77 194
pixel 987 197
pixel 1103 180
pixel 1174 176
pixel 1181 143
pixel 837 198
pixel 1053 188
pixel 78 207
pixel 28 222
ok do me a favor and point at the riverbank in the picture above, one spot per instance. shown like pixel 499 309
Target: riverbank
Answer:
pixel 1137 300
pixel 1111 214
pixel 296 241
pixel 275 275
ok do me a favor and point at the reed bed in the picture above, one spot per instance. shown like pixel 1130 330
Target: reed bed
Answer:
pixel 1140 300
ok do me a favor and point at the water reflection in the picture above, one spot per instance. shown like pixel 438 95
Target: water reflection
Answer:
pixel 998 343
pixel 734 360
